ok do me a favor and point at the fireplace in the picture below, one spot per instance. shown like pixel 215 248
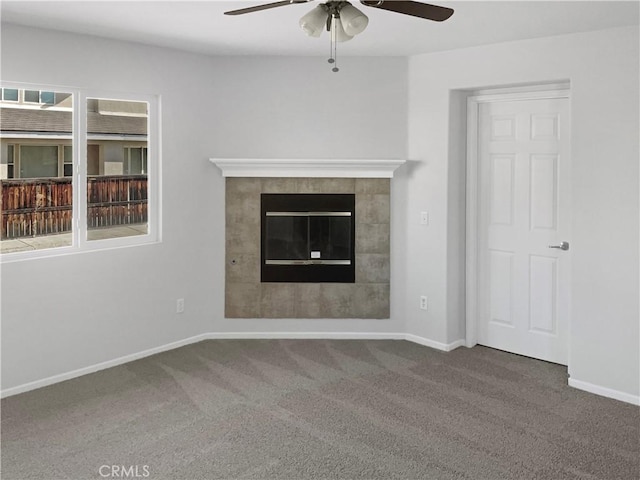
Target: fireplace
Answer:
pixel 308 238
pixel 248 297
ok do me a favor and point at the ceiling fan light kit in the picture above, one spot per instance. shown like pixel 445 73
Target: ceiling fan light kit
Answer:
pixel 314 22
pixel 341 34
pixel 344 21
pixel 353 20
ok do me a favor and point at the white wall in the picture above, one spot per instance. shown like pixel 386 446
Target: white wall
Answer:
pixel 70 312
pixel 66 313
pixel 603 70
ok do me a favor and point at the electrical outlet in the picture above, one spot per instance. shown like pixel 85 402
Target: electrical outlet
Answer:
pixel 423 302
pixel 180 305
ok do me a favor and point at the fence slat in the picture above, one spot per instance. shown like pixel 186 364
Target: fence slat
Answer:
pixel 42 206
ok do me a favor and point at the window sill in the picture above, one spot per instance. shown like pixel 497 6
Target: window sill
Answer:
pixel 31 248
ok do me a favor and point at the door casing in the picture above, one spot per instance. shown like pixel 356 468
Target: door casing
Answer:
pixel 472 195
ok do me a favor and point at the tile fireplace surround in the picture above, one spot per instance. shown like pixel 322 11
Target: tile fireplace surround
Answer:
pixel 247 297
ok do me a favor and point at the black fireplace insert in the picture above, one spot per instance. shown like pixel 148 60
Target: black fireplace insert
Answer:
pixel 308 238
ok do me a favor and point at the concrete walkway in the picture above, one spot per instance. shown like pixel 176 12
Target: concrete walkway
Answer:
pixel 65 239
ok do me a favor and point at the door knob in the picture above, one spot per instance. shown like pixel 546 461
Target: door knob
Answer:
pixel 562 246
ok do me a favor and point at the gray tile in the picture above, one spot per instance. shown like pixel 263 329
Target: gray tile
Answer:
pixel 238 185
pixel 242 222
pixel 372 301
pixel 337 300
pixel 326 185
pixel 372 208
pixel 243 268
pixel 372 238
pixel 372 268
pixel 308 300
pixel 373 185
pixel 278 300
pixel 279 185
pixel 243 207
pixel 242 300
pixel 243 238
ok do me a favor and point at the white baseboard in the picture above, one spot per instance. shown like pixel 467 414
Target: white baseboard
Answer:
pixel 445 347
pixel 198 338
pixel 309 335
pixel 605 392
pixel 99 366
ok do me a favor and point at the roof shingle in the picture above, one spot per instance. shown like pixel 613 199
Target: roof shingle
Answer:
pixel 56 121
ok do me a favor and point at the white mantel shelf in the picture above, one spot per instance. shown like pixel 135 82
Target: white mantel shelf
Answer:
pixel 306 168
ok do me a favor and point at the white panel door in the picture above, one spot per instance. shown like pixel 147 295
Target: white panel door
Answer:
pixel 523 194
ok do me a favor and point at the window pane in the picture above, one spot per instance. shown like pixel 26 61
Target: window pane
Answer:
pixel 67 169
pixel 32 96
pixel 117 182
pixel 93 160
pixel 38 161
pixel 135 161
pixel 6 167
pixel 144 160
pixel 37 205
pixel 10 94
pixel 48 98
pixel 68 154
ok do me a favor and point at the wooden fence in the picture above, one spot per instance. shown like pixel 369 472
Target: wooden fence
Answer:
pixel 116 200
pixel 44 206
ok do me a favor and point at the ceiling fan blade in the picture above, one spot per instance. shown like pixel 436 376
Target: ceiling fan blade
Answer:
pixel 265 6
pixel 416 9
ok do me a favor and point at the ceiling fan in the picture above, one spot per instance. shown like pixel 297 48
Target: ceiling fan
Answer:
pixel 343 21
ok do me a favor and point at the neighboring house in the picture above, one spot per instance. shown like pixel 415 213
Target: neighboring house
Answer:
pixel 36 135
pixel 36 139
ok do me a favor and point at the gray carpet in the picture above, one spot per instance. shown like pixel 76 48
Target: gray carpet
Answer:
pixel 320 409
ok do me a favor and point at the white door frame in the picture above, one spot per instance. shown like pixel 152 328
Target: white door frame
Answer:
pixel 473 107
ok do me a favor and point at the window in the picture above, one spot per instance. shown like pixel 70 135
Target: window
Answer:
pixel 32 96
pixel 135 160
pixel 39 96
pixel 42 97
pixel 93 159
pixel 118 197
pixel 67 165
pixel 48 98
pixel 58 196
pixel 38 161
pixel 9 161
pixel 10 94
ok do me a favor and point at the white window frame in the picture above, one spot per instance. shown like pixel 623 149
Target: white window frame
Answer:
pixel 80 243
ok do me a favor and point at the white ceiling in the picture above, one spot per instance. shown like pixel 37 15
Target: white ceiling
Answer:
pixel 200 26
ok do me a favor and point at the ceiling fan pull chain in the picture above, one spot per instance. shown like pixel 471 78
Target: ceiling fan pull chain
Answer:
pixel 334 41
pixel 330 30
